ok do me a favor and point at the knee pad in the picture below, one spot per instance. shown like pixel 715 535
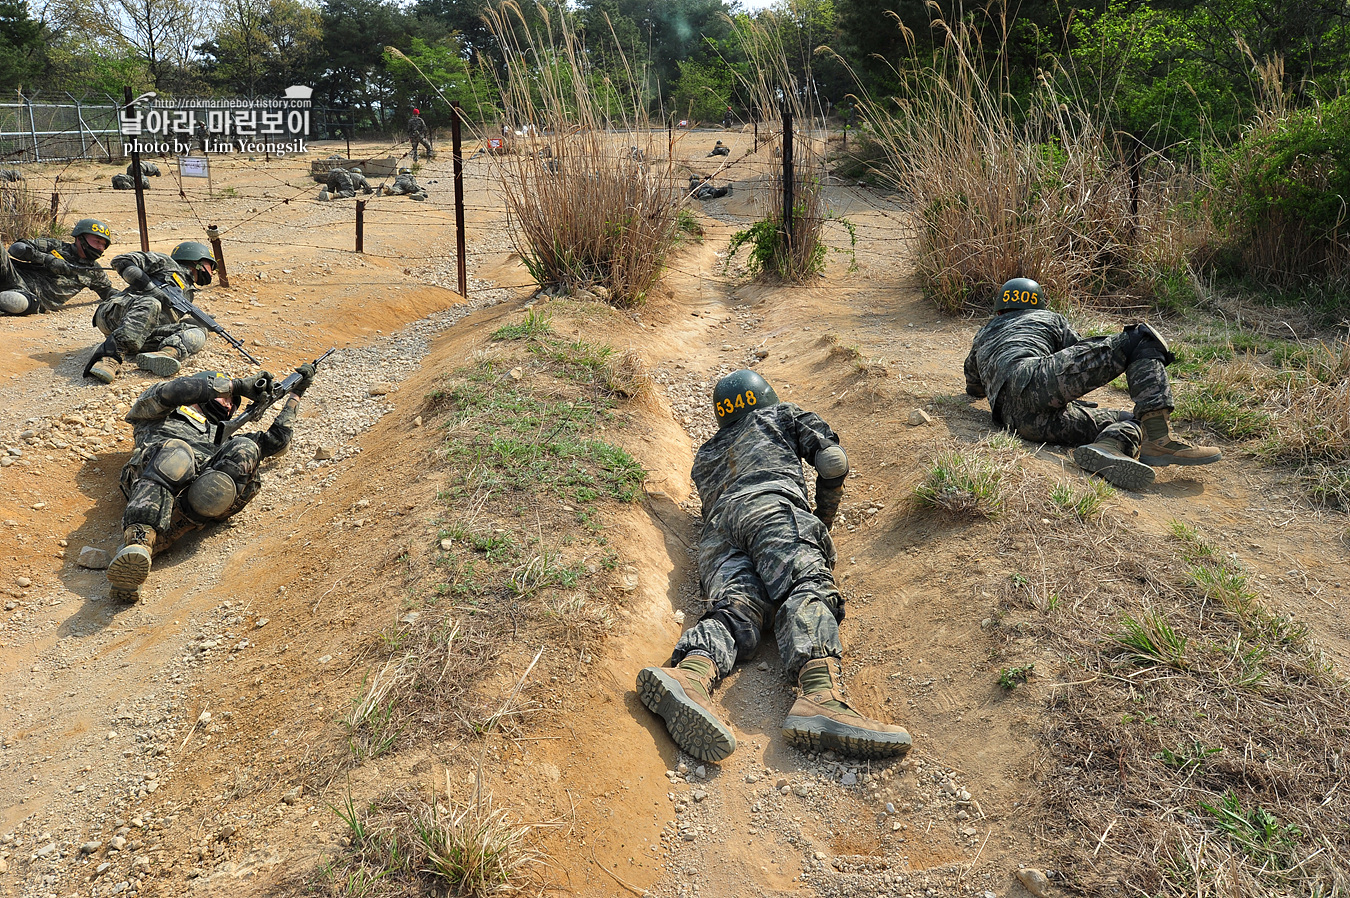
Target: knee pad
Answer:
pixel 188 341
pixel 212 495
pixel 173 466
pixel 831 464
pixel 17 302
pixel 1143 342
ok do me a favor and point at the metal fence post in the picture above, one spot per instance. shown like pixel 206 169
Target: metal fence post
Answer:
pixel 32 127
pixel 360 225
pixel 458 151
pixel 788 198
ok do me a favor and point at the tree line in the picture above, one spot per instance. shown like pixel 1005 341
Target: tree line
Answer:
pixel 1163 70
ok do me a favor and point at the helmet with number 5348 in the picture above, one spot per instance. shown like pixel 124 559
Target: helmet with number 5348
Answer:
pixel 740 393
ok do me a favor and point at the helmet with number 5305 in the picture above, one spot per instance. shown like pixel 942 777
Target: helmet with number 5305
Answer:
pixel 1018 293
pixel 740 393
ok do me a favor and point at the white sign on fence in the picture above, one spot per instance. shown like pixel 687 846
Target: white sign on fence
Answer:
pixel 194 166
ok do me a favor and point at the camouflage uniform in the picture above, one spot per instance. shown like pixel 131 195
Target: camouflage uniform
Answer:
pixel 406 185
pixel 136 320
pixel 171 411
pixel 1033 367
pixel 343 184
pixel 48 291
pixel 762 554
pixel 419 136
pixel 148 169
pixel 125 182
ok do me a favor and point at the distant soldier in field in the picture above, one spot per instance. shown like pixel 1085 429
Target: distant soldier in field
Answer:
pixel 343 184
pixel 1033 368
pixel 765 559
pixel 406 185
pixel 701 187
pixel 42 274
pixel 141 323
pixel 180 476
pixel 148 169
pixel 418 135
pixel 720 150
pixel 125 182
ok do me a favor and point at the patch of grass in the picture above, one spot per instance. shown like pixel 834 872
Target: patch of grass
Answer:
pixel 688 225
pixel 1083 503
pixel 1257 832
pixel 1152 640
pixel 373 725
pixel 962 484
pixel 1194 755
pixel 534 325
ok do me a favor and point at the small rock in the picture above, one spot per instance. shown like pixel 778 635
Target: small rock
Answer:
pixel 45 850
pixel 751 778
pixel 417 422
pixel 682 769
pixel 447 545
pixel 699 795
pixel 919 417
pixel 23 582
pixel 763 665
pixel 890 808
pixel 117 843
pixel 781 783
pixel 700 771
pixel 90 847
pixel 262 622
pixel 381 389
pixel 323 453
pixel 1034 881
pixel 93 558
pixel 325 659
pixel 801 790
pixel 292 796
pixel 226 833
pixel 849 779
pixel 517 373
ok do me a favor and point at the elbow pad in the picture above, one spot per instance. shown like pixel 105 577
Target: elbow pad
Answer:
pixel 134 276
pixel 831 466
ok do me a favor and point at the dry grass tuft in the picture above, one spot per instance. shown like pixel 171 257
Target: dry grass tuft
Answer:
pixel 1042 192
pixel 587 209
pixel 24 213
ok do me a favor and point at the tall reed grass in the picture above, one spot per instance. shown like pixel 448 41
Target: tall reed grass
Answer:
pixel 1041 190
pixel 586 199
pixel 24 213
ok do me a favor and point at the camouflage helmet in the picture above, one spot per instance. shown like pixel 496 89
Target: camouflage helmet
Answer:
pixel 1018 293
pixel 740 393
pixel 405 171
pixel 191 251
pixel 92 226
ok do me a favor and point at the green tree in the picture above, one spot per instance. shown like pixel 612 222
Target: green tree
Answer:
pixel 448 72
pixel 23 42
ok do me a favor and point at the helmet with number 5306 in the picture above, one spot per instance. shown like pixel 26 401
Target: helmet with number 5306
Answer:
pixel 740 393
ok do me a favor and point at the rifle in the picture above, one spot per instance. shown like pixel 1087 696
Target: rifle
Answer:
pixel 259 406
pixel 176 293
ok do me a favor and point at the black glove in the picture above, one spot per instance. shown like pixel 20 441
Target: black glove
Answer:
pixel 253 388
pixel 58 265
pixel 306 372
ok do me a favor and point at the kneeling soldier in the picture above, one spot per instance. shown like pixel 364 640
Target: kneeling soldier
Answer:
pixel 50 271
pixel 181 476
pixel 764 557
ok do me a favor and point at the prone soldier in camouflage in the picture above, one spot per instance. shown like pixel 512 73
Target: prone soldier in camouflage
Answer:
pixel 343 184
pixel 764 557
pixel 720 149
pixel 141 323
pixel 1033 368
pixel 50 272
pixel 127 182
pixel 418 135
pixel 406 185
pixel 179 478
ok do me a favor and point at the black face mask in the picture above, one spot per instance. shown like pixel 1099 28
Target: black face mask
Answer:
pixel 201 276
pixel 86 250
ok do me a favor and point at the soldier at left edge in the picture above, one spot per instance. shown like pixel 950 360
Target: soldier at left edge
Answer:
pixel 42 274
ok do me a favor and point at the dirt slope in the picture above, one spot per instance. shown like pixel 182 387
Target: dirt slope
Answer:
pixel 200 728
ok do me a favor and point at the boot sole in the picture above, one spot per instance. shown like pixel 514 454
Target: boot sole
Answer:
pixel 694 730
pixel 1162 461
pixel 125 596
pixel 102 375
pixel 159 365
pixel 819 733
pixel 1116 470
pixel 129 569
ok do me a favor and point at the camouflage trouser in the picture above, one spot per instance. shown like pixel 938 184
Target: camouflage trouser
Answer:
pixel 134 324
pixel 10 279
pixel 415 140
pixel 1044 409
pixel 766 559
pixel 151 503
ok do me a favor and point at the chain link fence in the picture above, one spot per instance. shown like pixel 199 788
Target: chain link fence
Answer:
pixel 33 130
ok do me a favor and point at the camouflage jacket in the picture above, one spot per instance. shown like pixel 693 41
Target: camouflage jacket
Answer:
pixel 55 290
pixel 171 410
pixel 761 453
pixel 1005 342
pixel 161 271
pixel 417 125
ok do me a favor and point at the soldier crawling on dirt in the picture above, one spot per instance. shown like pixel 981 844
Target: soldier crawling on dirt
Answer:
pixel 343 184
pixel 125 182
pixel 148 169
pixel 178 478
pixel 406 185
pixel 763 556
pixel 141 323
pixel 50 271
pixel 1034 368
pixel 720 150
pixel 701 187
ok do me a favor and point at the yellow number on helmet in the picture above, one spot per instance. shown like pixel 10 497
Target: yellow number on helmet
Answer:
pixel 740 401
pixel 750 397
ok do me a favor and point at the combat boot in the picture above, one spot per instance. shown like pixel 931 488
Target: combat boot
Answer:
pixel 1108 460
pixel 131 565
pixel 820 719
pixel 1160 449
pixel 164 362
pixel 682 697
pixel 105 369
